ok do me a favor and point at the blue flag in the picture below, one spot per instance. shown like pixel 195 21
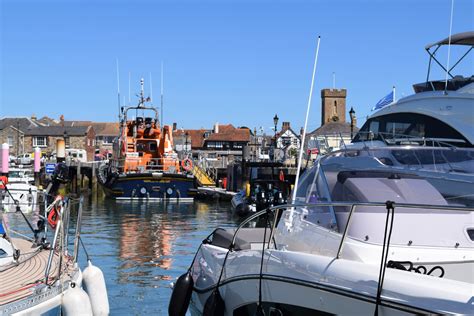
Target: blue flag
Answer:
pixel 2 230
pixel 384 101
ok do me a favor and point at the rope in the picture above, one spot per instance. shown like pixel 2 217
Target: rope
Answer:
pixel 84 247
pixel 390 205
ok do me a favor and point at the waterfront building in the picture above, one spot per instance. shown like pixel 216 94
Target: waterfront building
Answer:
pixel 219 146
pixel 24 134
pixel 334 130
pixel 288 143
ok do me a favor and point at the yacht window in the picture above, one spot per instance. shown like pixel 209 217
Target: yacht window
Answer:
pixel 399 127
pixel 153 146
pixel 374 127
pixel 3 253
pixel 470 232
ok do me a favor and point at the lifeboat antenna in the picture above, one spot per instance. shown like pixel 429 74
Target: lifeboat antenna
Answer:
pixel 161 106
pixel 118 90
pixel 305 124
pixel 151 90
pixel 129 97
pixel 142 93
pixel 449 47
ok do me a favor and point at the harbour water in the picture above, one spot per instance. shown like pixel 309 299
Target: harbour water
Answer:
pixel 143 246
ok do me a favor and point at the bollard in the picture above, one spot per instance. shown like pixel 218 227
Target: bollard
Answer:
pixel 4 162
pixel 37 165
pixel 60 150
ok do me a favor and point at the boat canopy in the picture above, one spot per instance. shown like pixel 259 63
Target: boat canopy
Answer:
pixel 465 38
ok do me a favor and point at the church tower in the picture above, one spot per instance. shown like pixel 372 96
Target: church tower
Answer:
pixel 333 107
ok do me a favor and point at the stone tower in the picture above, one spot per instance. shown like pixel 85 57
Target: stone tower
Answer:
pixel 333 106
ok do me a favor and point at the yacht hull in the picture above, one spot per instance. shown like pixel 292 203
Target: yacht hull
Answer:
pixel 308 284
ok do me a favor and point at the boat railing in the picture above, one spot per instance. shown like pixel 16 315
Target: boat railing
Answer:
pixel 275 213
pixel 60 243
pixel 425 157
pixel 389 139
pixel 141 164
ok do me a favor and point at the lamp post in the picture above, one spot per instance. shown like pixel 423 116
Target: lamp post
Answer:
pixel 186 142
pixel 352 116
pixel 275 122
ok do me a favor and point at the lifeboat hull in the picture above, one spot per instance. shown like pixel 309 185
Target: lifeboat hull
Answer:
pixel 156 185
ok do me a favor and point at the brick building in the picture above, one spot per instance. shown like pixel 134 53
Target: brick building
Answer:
pixel 45 137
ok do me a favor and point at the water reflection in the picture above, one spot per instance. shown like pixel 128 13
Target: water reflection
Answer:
pixel 141 247
pixel 156 243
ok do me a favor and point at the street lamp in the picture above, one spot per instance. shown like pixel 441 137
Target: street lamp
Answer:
pixel 275 121
pixel 352 116
pixel 66 139
pixel 186 142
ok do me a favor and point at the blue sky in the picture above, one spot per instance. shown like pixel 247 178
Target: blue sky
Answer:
pixel 236 62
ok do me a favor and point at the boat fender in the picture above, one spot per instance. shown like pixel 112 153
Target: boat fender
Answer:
pixel 143 190
pixel 75 302
pixel 215 305
pixel 181 295
pixel 94 285
pixel 53 218
pixel 169 192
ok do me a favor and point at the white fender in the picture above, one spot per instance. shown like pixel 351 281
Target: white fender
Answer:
pixel 94 284
pixel 76 302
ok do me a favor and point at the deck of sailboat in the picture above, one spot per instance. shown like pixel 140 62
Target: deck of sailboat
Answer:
pixel 18 280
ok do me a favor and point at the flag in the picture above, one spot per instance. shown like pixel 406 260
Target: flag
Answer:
pixel 384 101
pixel 2 230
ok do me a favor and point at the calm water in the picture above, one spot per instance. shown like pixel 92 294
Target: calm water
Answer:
pixel 143 246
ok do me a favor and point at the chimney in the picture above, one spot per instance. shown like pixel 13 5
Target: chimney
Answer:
pixel 301 131
pixel 175 127
pixel 216 128
pixel 33 117
pixel 61 120
pixel 285 126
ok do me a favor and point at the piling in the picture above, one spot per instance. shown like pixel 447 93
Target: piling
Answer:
pixel 78 176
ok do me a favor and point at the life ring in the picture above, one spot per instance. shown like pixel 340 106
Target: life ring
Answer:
pixel 53 217
pixel 187 164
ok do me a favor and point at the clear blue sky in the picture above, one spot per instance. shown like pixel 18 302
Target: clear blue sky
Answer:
pixel 236 62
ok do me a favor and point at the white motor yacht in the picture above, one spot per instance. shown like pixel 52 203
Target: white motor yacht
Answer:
pixel 363 237
pixel 19 191
pixel 439 113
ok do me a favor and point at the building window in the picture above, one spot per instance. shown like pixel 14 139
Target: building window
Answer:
pixel 67 141
pixel 10 141
pixel 40 141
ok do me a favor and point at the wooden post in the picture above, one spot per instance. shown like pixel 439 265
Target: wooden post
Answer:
pixel 94 182
pixel 78 175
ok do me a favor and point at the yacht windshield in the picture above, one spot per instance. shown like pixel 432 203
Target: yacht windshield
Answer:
pixel 409 128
